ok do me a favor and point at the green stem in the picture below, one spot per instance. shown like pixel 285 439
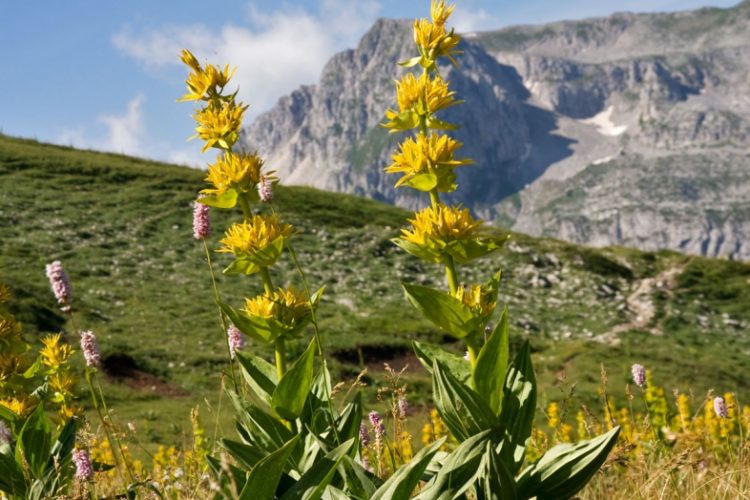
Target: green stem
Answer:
pixel 450 273
pixel 117 439
pixel 280 351
pixel 434 198
pixel 473 352
pixel 224 326
pixel 245 206
pixel 98 409
pixel 266 277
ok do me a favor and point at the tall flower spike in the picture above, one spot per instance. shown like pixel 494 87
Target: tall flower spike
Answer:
pixel 639 375
pixel 265 190
pixel 82 461
pixel 90 349
pixel 60 284
pixel 201 222
pixel 720 407
pixel 236 340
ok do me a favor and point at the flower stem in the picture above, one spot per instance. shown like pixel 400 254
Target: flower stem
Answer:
pixel 266 277
pixel 450 273
pixel 223 320
pixel 434 198
pixel 280 351
pixel 97 407
pixel 244 205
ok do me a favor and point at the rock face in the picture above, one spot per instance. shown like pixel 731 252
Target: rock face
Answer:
pixel 329 135
pixel 629 130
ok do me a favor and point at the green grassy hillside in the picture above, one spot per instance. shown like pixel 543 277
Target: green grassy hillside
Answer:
pixel 122 228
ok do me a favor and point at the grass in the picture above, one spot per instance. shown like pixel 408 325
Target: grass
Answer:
pixel 122 228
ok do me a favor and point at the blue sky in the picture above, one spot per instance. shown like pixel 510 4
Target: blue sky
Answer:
pixel 105 75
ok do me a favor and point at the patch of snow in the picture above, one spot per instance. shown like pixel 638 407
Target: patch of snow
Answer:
pixel 531 86
pixel 603 160
pixel 604 125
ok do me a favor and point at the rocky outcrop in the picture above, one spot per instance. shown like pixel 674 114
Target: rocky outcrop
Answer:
pixel 329 135
pixel 629 129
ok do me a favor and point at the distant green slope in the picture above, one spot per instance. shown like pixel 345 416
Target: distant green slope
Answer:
pixel 122 228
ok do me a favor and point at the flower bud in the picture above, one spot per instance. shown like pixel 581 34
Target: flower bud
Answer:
pixel 720 407
pixel 60 284
pixel 90 349
pixel 201 223
pixel 265 190
pixel 639 375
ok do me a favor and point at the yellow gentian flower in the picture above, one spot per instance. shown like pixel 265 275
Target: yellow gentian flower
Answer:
pixel 55 353
pixel 234 171
pixel 285 305
pixel 479 299
pixel 418 99
pixel 18 406
pixel 254 235
pixel 204 84
pixel 427 162
pixel 219 125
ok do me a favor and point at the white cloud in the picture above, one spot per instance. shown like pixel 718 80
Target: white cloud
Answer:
pixel 275 52
pixel 124 133
pixel 469 20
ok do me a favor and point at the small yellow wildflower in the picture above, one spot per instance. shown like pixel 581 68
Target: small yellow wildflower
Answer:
pixel 254 235
pixel 429 155
pixel 219 125
pixel 479 299
pixel 440 12
pixel 287 306
pixel 55 353
pixel 234 171
pixel 62 383
pixel 19 406
pixel 553 415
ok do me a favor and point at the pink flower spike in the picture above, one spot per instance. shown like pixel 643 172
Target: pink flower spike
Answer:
pixel 201 223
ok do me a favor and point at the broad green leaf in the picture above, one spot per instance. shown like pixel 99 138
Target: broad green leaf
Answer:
pixel 566 468
pixel 464 251
pixel 519 405
pixel 497 481
pixel 313 482
pixel 401 484
pixel 348 422
pixel 263 430
pixel 227 199
pixel 462 409
pixel 33 369
pixel 257 328
pixel 492 363
pixel 7 414
pixel 259 374
pixel 421 182
pixel 410 62
pixel 60 458
pixel 357 481
pixel 12 480
pixel 418 250
pixel 458 471
pixel 34 442
pixel 265 476
pixel 246 455
pixel 457 366
pixel 289 397
pixel 444 310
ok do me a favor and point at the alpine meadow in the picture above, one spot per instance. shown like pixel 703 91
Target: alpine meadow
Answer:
pixel 171 332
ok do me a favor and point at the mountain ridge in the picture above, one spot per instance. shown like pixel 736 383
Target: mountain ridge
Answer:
pixel 545 104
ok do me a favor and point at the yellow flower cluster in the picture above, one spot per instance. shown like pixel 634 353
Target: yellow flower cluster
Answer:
pixel 234 171
pixel 219 126
pixel 442 224
pixel 206 83
pixel 477 298
pixel 287 306
pixel 432 38
pixel 220 120
pixel 424 94
pixel 254 235
pixel 427 155
pixel 55 353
